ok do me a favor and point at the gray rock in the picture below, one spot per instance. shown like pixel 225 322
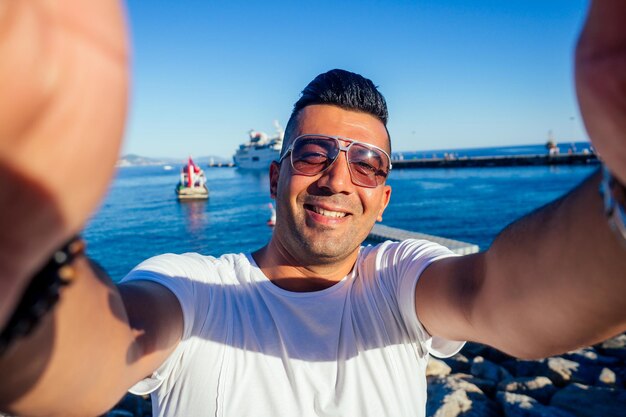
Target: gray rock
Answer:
pixel 459 363
pixel 524 368
pixel 495 355
pixel 485 369
pixel 539 388
pixel 560 370
pixel 472 349
pixel 589 356
pixel 615 347
pixel 607 378
pixel 487 386
pixel 437 367
pixel 119 413
pixel 618 341
pixel 451 397
pixel 586 401
pixel 564 371
pixel 518 405
pixel 620 373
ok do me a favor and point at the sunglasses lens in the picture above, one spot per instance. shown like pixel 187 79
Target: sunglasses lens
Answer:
pixel 369 167
pixel 311 155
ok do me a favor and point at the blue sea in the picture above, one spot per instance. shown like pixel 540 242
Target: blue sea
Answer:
pixel 141 217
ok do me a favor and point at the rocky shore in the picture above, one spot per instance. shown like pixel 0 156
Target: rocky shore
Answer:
pixel 483 382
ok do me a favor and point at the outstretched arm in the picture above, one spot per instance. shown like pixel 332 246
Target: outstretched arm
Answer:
pixel 63 88
pixel 555 279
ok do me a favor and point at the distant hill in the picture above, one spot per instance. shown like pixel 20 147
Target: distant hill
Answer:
pixel 132 160
pixel 137 160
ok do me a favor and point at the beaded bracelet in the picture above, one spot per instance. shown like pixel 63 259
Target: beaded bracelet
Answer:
pixel 42 292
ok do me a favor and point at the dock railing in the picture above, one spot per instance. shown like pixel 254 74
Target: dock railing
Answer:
pixel 381 233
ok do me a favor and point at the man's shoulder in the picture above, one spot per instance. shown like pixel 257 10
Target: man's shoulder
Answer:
pixel 407 256
pixel 405 248
pixel 186 265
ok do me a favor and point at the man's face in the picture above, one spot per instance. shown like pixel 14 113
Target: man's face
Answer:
pixel 324 218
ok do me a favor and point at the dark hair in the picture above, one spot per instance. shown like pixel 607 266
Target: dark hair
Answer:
pixel 344 89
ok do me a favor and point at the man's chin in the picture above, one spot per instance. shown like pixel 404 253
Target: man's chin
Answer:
pixel 329 251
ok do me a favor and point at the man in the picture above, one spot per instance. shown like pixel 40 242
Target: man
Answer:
pixel 312 323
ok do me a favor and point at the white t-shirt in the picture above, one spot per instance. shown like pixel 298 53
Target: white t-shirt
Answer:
pixel 250 348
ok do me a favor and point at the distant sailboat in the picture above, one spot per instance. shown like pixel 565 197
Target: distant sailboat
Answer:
pixel 272 220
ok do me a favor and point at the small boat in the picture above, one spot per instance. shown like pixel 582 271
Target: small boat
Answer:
pixel 192 184
pixel 271 222
pixel 167 167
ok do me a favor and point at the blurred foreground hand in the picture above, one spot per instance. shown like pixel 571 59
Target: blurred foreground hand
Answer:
pixel 63 98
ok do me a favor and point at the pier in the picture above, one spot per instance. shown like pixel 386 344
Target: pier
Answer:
pixel 481 161
pixel 497 161
pixel 380 233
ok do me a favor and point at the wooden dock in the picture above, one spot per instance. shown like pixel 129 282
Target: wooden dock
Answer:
pixel 380 233
pixel 498 161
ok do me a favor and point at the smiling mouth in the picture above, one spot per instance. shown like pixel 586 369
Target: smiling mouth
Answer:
pixel 326 213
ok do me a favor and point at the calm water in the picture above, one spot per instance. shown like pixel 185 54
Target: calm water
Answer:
pixel 141 217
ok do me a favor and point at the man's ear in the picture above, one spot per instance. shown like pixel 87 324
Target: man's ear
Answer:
pixel 384 202
pixel 274 174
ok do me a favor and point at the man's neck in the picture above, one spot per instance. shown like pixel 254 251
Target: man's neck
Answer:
pixel 296 275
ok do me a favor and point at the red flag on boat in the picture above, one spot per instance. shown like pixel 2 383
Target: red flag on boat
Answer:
pixel 190 166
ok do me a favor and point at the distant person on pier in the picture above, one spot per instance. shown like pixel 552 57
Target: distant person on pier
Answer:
pixel 311 324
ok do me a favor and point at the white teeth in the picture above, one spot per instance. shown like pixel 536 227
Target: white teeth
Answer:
pixel 328 213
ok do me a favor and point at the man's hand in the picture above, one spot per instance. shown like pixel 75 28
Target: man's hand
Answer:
pixel 63 94
pixel 601 81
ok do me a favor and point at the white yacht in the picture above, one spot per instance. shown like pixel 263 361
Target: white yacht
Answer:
pixel 260 150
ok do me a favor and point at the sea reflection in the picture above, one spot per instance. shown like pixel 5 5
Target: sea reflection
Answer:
pixel 196 217
pixel 259 177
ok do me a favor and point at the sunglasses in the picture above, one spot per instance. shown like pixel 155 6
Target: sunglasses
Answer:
pixel 369 165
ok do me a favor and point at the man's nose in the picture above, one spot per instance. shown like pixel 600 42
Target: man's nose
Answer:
pixel 337 177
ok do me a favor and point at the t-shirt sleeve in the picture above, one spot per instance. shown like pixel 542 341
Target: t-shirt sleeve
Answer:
pixel 408 259
pixel 174 272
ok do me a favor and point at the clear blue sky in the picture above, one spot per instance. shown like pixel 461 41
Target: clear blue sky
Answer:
pixel 455 74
